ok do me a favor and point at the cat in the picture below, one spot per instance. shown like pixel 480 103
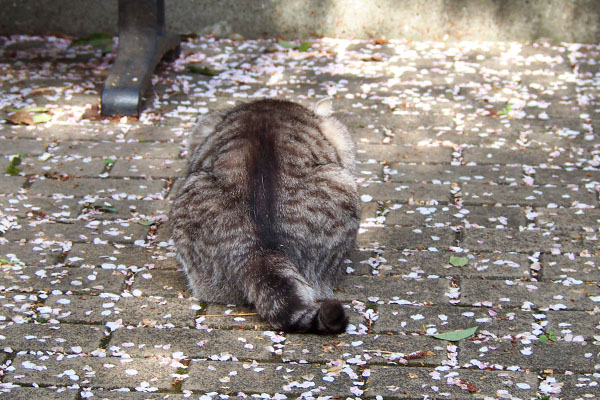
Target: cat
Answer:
pixel 268 212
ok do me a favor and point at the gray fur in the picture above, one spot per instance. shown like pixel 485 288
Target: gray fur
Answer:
pixel 268 212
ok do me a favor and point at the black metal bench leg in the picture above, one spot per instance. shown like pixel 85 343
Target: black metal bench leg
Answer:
pixel 142 44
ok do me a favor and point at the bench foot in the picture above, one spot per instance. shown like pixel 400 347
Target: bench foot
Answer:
pixel 142 44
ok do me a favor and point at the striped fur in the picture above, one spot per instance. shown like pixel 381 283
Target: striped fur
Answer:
pixel 268 212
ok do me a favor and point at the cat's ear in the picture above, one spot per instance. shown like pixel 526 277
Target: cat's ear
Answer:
pixel 324 107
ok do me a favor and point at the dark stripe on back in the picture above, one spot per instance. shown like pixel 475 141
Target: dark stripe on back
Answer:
pixel 263 173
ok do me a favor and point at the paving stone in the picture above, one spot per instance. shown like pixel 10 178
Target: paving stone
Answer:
pixel 564 268
pixel 135 189
pixel 513 156
pixel 11 184
pixel 422 264
pixel 574 323
pixel 118 257
pixel 61 338
pixel 149 168
pixel 39 207
pixel 99 232
pixel 538 295
pixel 288 379
pixel 443 173
pixel 536 356
pixel 419 193
pixel 432 320
pixel 393 287
pixel 27 393
pixel 506 240
pixel 17 308
pixel 407 154
pixel 566 176
pixel 575 386
pixel 93 372
pixel 23 146
pixel 138 210
pixel 449 215
pixel 407 238
pixel 412 383
pixel 196 344
pixel 477 194
pixel 63 168
pixel 115 395
pixel 380 349
pixel 83 148
pixel 563 219
pixel 49 278
pixel 164 283
pixel 142 311
pixel 29 254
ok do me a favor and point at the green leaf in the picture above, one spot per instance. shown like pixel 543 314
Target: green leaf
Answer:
pixel 458 261
pixel 288 45
pixel 455 336
pixel 199 69
pixel 147 223
pixel 100 40
pixel 109 161
pixel 104 208
pixel 551 335
pixel 304 46
pixel 41 118
pixel 4 261
pixel 36 109
pixel 543 339
pixel 12 169
pixel 505 110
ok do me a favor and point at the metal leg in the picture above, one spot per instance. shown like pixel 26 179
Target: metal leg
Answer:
pixel 142 44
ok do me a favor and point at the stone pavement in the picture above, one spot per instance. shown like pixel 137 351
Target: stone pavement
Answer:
pixel 478 170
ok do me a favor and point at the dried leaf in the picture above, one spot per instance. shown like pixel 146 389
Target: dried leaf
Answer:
pixel 21 118
pixel 457 335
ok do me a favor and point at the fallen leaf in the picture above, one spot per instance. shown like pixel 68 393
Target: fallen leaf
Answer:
pixel 199 69
pixel 287 45
pixel 454 336
pixel 21 118
pixel 147 223
pixel 99 40
pixel 41 118
pixel 12 169
pixel 304 46
pixel 458 261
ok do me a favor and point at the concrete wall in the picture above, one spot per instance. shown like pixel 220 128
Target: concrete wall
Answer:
pixel 520 20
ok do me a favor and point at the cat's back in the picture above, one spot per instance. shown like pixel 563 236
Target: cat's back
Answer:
pixel 263 138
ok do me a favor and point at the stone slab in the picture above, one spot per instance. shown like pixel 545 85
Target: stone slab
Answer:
pixel 60 338
pixel 410 383
pixel 538 295
pixel 436 319
pixel 92 372
pixel 288 379
pixel 534 356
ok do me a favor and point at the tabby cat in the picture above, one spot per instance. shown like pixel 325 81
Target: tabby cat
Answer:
pixel 268 212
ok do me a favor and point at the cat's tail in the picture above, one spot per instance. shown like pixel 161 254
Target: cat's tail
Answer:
pixel 286 301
